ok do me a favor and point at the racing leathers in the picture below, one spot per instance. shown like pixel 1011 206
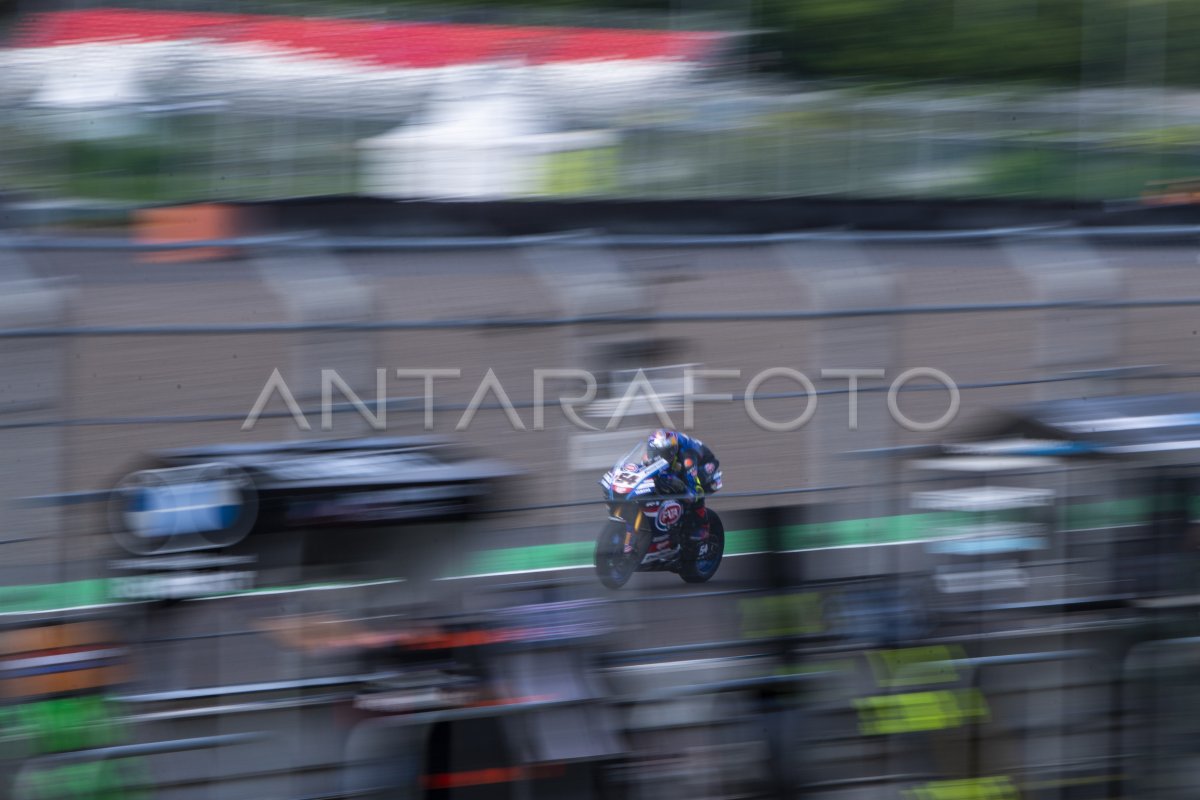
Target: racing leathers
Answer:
pixel 693 473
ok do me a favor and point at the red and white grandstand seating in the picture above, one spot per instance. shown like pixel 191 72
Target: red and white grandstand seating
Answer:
pixel 390 44
pixel 320 59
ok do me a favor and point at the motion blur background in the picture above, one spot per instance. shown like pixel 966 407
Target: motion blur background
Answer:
pixel 195 196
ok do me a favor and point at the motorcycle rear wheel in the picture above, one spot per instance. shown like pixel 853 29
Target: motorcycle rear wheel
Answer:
pixel 614 567
pixel 701 560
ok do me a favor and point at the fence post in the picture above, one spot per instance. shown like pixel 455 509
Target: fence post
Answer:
pixel 1067 269
pixel 34 391
pixel 314 287
pixel 586 282
pixel 840 276
pixel 781 710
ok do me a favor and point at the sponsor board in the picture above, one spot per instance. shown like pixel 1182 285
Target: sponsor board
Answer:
pixel 380 506
pixel 178 509
pixel 181 585
pixel 956 582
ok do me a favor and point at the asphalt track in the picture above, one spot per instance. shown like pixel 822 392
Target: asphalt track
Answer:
pixel 132 381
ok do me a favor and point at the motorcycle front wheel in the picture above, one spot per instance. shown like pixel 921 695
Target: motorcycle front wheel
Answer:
pixel 702 559
pixel 614 567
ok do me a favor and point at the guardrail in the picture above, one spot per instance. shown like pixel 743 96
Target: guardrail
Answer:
pixel 475 323
pixel 642 655
pixel 25 780
pixel 148 748
pixel 82 498
pixel 320 241
pixel 248 688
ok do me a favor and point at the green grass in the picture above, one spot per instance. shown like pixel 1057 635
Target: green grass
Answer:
pixel 1086 175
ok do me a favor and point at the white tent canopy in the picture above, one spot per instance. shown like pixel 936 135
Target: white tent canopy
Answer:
pixel 478 139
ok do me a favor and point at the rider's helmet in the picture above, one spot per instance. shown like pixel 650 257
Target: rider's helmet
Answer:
pixel 662 444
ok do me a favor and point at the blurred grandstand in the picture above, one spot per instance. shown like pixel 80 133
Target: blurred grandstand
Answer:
pixel 103 103
pixel 330 64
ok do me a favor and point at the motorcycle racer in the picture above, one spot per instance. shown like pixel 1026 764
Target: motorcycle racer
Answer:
pixel 692 472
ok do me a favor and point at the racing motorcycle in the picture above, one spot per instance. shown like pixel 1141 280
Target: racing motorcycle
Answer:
pixel 646 530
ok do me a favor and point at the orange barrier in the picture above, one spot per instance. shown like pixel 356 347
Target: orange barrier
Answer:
pixel 182 224
pixel 59 658
pixel 490 775
pixel 1175 191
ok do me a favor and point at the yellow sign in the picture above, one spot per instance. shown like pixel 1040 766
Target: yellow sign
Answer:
pixel 914 666
pixel 996 788
pixel 913 712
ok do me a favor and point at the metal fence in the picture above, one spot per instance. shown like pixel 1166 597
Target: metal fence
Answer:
pixel 98 356
pixel 772 146
pixel 324 257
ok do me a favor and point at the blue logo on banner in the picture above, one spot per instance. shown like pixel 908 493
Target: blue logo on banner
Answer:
pixel 183 508
pixel 177 509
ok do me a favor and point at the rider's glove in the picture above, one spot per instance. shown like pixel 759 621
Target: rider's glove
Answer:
pixel 673 486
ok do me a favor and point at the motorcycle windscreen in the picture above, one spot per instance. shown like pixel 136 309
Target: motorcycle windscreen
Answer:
pixel 635 455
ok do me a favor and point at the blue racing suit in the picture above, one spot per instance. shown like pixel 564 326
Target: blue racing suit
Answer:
pixel 694 473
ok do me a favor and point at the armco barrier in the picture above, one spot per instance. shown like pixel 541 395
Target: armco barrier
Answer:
pixel 569 321
pixel 323 239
